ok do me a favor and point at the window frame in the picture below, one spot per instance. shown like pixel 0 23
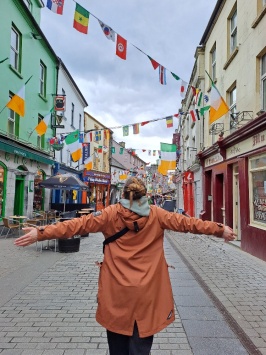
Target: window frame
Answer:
pixel 263 81
pixel 13 118
pixel 213 62
pixel 233 31
pixel 16 64
pixel 72 114
pixel 43 77
pixel 40 139
pixel 232 104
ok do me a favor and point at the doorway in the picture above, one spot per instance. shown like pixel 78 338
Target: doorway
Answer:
pixel 236 209
pixel 19 195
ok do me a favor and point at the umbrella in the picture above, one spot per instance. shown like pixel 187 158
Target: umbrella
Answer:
pixel 64 182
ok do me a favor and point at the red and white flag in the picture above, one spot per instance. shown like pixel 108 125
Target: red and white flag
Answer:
pixel 162 75
pixel 183 88
pixel 121 47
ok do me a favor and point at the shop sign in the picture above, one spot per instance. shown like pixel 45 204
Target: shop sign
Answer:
pixel 214 159
pixel 96 177
pixel 188 177
pixel 251 143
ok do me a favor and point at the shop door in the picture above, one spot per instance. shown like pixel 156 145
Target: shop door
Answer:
pixel 219 199
pixel 236 209
pixel 19 196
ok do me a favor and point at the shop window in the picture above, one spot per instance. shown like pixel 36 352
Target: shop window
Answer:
pixel 38 197
pixel 258 191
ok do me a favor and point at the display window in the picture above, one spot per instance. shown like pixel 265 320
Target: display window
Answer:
pixel 257 168
pixel 2 190
pixel 38 199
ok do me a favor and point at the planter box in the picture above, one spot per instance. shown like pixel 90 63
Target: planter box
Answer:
pixel 69 245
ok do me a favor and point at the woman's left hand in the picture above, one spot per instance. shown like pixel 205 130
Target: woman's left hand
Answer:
pixel 27 239
pixel 228 234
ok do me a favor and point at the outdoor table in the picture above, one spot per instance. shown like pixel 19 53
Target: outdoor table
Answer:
pixel 20 222
pixel 87 209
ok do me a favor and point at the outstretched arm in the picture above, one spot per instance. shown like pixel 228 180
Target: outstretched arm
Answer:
pixel 228 234
pixel 29 238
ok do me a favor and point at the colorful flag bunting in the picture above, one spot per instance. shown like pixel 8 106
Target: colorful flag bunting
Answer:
pixel 204 109
pixel 108 31
pixel 41 128
pixel 56 6
pixel 125 131
pixel 168 158
pixel 107 134
pixel 89 137
pixel 193 115
pixel 136 128
pixel 149 152
pixel 169 121
pixel 98 136
pixel 81 19
pixel 121 47
pixel 88 163
pixel 183 88
pixel 206 98
pixel 17 102
pixel 154 153
pixel 175 76
pixel 218 105
pixel 145 122
pixel 153 62
pixel 162 75
pixel 72 141
pixel 199 97
pixel 100 149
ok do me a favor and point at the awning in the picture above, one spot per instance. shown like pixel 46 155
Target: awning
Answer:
pixel 14 148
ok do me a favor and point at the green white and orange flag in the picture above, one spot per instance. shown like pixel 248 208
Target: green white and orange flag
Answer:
pixel 218 106
pixel 41 128
pixel 81 19
pixel 88 163
pixel 168 158
pixel 72 141
pixel 17 102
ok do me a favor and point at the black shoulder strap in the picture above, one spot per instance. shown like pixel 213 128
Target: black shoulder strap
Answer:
pixel 114 237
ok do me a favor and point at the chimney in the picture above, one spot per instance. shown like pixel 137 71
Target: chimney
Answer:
pixel 123 144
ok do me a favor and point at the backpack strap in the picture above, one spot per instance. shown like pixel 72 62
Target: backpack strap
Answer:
pixel 114 237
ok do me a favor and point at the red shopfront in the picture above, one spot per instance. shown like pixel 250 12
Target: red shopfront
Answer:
pixel 234 180
pixel 99 189
pixel 188 193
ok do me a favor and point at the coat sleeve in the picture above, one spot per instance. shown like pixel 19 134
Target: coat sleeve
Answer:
pixel 76 226
pixel 180 223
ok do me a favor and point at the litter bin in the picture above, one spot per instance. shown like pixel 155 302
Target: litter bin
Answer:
pixel 68 245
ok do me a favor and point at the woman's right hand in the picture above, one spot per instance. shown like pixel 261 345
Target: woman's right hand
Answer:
pixel 27 239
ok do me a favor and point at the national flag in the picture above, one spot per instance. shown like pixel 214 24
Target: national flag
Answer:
pixel 17 102
pixel 108 31
pixel 100 149
pixel 197 114
pixel 193 115
pixel 168 158
pixel 88 163
pixel 41 128
pixel 144 150
pixel 154 153
pixel 107 134
pixel 56 6
pixel 169 121
pixel 204 109
pixel 194 90
pixel 199 97
pixel 162 75
pixel 176 115
pixel 183 88
pixel 218 105
pixel 89 137
pixel 153 62
pixel 145 122
pixel 136 128
pixel 121 47
pixel 206 98
pixel 72 141
pixel 81 19
pixel 149 152
pixel 81 138
pixel 121 150
pixel 98 136
pixel 125 131
pixel 113 150
pixel 175 76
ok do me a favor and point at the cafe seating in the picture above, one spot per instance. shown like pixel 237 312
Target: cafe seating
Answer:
pixel 10 225
pixel 40 216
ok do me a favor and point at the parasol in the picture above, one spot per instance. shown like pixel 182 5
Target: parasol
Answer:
pixel 64 182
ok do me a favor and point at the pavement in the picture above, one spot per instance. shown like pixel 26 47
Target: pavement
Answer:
pixel 48 299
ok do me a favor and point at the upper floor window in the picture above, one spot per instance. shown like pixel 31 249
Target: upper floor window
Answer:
pixel 80 119
pixel 40 139
pixel 43 71
pixel 213 63
pixel 232 106
pixel 11 121
pixel 27 3
pixel 233 32
pixel 72 114
pixel 263 81
pixel 15 49
pixel 263 2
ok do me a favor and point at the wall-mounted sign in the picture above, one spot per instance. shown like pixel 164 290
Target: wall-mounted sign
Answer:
pixel 59 103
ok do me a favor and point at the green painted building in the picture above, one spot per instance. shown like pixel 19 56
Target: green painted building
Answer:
pixel 26 60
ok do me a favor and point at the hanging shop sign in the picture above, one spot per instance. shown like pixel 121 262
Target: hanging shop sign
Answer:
pixel 59 103
pixel 96 177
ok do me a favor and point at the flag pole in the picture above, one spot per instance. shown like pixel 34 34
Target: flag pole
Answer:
pixel 209 76
pixel 3 60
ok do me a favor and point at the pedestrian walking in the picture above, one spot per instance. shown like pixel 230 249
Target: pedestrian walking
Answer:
pixel 135 299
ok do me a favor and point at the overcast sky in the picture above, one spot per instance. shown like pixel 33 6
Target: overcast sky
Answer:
pixel 121 92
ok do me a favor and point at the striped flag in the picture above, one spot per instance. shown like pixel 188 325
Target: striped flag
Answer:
pixel 169 121
pixel 183 88
pixel 41 128
pixel 218 105
pixel 56 6
pixel 88 163
pixel 153 62
pixel 168 158
pixel 17 102
pixel 162 75
pixel 72 141
pixel 81 19
pixel 136 128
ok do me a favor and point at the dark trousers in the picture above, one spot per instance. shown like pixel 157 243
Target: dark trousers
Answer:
pixel 120 344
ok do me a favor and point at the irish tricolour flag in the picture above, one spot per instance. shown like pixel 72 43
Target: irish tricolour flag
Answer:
pixel 168 158
pixel 218 105
pixel 73 145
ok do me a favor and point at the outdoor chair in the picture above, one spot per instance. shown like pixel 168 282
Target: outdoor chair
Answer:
pixel 40 216
pixel 10 225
